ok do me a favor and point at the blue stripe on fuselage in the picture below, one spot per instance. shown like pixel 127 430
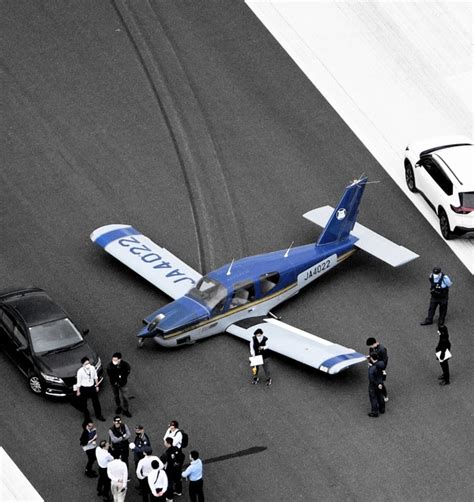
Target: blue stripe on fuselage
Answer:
pixel 113 235
pixel 329 363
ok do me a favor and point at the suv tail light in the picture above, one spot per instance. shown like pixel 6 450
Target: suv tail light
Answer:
pixel 462 209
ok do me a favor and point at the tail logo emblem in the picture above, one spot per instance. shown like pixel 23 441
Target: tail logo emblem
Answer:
pixel 341 214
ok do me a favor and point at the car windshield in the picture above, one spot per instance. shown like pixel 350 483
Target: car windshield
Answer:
pixel 209 292
pixel 55 335
pixel 467 199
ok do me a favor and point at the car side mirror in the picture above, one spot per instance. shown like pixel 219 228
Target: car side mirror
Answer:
pixel 85 332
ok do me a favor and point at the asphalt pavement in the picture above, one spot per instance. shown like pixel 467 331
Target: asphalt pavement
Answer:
pixel 188 121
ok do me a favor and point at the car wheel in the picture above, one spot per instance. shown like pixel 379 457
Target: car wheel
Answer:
pixel 410 177
pixel 444 224
pixel 36 385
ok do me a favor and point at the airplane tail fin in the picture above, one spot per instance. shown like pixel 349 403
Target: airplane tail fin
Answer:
pixel 344 217
pixel 341 222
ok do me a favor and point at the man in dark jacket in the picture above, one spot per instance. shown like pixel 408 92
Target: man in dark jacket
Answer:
pixel 118 371
pixel 173 459
pixel 377 348
pixel 375 386
pixel 119 434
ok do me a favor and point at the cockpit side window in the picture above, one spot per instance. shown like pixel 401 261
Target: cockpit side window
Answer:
pixel 244 292
pixel 268 282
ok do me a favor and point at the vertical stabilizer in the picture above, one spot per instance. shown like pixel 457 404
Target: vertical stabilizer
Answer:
pixel 343 218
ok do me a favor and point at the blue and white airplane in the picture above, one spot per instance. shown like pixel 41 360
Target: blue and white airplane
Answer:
pixel 237 297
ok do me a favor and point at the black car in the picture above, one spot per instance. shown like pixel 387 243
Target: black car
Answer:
pixel 43 342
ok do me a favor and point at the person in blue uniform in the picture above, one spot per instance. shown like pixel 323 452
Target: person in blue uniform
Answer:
pixel 439 289
pixel 140 443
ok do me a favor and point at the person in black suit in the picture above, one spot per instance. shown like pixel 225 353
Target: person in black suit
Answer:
pixel 376 347
pixel 376 397
pixel 443 345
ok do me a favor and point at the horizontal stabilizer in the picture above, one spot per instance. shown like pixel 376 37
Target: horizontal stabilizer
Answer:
pixel 152 262
pixel 369 241
pixel 302 346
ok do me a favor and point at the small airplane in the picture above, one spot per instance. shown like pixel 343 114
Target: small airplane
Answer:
pixel 238 297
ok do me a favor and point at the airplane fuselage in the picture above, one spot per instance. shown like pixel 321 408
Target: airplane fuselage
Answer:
pixel 250 287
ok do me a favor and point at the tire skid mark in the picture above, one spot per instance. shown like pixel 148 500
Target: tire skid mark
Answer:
pixel 215 222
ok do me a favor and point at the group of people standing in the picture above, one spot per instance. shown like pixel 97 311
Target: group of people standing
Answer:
pixel 159 478
pixel 439 290
pixel 87 386
pixel 378 356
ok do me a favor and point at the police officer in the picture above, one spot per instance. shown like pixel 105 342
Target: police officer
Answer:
pixel 139 444
pixel 173 459
pixel 440 284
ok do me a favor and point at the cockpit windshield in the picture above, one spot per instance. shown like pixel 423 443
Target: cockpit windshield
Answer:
pixel 209 292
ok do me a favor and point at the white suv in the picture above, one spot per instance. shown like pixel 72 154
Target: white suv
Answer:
pixel 442 170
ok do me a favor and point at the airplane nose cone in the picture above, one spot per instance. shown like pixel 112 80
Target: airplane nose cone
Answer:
pixel 145 332
pixel 173 317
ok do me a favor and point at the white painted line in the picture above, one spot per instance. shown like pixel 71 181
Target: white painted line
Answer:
pixel 14 486
pixel 394 71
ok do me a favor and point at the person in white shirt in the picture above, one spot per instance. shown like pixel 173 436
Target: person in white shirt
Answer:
pixel 194 473
pixel 87 386
pixel 174 433
pixel 144 468
pixel 158 481
pixel 103 459
pixel 118 474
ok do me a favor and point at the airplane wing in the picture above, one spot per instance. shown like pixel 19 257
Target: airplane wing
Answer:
pixel 369 241
pixel 152 262
pixel 301 346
